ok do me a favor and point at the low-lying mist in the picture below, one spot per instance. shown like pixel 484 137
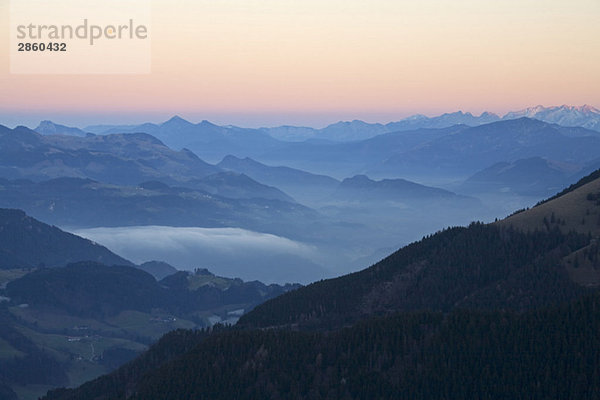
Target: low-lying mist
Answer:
pixel 230 252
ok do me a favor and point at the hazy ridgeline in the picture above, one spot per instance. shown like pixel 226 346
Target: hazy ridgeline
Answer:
pixel 363 190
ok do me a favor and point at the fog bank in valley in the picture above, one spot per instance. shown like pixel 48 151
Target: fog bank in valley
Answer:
pixel 230 252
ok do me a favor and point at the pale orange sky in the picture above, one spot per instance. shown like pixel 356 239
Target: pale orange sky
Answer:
pixel 268 62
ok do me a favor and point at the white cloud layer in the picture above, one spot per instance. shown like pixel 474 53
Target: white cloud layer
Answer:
pixel 230 252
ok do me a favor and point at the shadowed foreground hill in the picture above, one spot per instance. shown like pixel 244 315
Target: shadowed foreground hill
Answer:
pixel 465 355
pixel 26 242
pixel 482 266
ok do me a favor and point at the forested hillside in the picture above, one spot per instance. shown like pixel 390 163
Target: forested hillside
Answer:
pixel 26 243
pixel 543 354
pixel 482 266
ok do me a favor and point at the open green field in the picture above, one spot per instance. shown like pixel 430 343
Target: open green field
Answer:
pixel 7 275
pixel 148 325
pixel 31 392
pixel 80 343
pixel 7 351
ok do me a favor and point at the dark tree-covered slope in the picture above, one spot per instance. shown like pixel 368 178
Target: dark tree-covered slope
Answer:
pixel 93 290
pixel 545 354
pixel 26 242
pixel 459 267
pixel 121 383
pixel 88 289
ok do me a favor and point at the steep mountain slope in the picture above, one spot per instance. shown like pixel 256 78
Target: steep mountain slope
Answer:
pixel 343 159
pixel 584 116
pixel 464 355
pixel 50 128
pixel 361 188
pixel 123 159
pixel 443 121
pixel 529 177
pixel 206 139
pixel 92 290
pixel 575 209
pixel 120 159
pixel 158 269
pixel 300 184
pixel 27 243
pixel 348 131
pixel 237 186
pixel 476 148
pixel 76 202
pixel 480 266
pixel 88 290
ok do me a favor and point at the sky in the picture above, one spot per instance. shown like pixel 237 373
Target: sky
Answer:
pixel 313 62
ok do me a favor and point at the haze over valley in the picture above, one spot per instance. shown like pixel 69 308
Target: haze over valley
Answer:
pixel 115 237
pixel 299 208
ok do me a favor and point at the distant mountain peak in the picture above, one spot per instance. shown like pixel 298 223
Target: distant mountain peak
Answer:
pixel 47 122
pixel 585 116
pixel 48 127
pixel 359 178
pixel 207 123
pixel 176 120
pixel 589 109
pixel 533 111
pixel 416 117
pixel 488 114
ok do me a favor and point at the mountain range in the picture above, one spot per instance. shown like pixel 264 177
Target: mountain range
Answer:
pixel 119 159
pixel 479 147
pixel 362 189
pixel 585 116
pixel 302 185
pixel 209 141
pixel 401 149
pixel 77 202
pixel 534 176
